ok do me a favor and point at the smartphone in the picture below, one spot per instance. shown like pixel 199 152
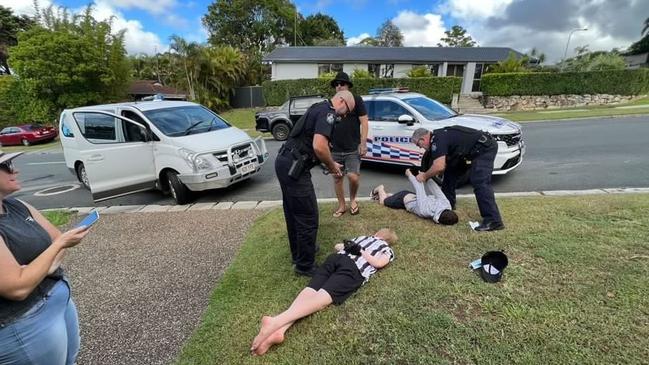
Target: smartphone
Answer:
pixel 89 220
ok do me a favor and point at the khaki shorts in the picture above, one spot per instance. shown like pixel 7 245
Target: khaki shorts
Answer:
pixel 351 161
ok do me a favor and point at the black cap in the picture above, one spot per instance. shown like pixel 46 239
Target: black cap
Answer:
pixel 343 77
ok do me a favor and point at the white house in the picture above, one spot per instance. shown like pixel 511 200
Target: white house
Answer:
pixel 289 63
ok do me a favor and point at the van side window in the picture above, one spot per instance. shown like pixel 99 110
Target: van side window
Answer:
pixel 65 130
pixel 132 132
pixel 97 128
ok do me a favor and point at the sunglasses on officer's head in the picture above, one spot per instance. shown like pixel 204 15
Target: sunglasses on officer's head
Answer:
pixel 346 105
pixel 7 167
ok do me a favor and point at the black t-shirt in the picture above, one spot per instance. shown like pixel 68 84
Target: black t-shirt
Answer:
pixel 320 119
pixel 26 239
pixel 347 133
pixel 454 142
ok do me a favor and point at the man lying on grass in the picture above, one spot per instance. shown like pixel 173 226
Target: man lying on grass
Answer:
pixel 435 207
pixel 334 281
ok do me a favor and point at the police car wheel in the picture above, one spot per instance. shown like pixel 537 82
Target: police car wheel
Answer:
pixel 178 190
pixel 280 131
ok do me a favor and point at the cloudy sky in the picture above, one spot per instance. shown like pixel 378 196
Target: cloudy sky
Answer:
pixel 519 24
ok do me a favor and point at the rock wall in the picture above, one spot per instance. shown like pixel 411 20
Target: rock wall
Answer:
pixel 535 102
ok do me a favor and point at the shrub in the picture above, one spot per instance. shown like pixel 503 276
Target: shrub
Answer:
pixel 439 88
pixel 621 82
pixel 419 71
pixel 360 73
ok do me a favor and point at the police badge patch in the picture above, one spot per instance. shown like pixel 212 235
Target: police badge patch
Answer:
pixel 433 147
pixel 331 118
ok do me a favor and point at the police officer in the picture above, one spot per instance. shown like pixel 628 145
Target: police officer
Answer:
pixel 308 143
pixel 450 149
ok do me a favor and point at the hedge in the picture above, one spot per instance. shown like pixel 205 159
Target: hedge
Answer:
pixel 6 116
pixel 619 82
pixel 439 88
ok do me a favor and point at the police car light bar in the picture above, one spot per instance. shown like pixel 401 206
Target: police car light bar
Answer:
pixel 389 90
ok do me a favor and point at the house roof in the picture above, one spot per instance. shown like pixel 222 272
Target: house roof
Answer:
pixel 389 54
pixel 152 87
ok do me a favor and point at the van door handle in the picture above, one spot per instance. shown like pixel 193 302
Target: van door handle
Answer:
pixel 96 158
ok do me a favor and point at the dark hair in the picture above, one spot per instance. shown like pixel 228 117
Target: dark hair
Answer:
pixel 448 218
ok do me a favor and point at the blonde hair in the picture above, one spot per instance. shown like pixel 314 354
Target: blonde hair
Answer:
pixel 388 235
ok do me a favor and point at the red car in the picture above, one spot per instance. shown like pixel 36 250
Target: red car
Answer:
pixel 27 134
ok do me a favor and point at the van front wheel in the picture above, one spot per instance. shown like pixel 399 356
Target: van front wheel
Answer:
pixel 83 176
pixel 178 190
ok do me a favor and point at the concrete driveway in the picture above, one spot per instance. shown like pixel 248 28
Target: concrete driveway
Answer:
pixel 141 281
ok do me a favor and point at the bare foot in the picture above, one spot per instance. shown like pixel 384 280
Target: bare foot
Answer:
pixel 263 333
pixel 275 338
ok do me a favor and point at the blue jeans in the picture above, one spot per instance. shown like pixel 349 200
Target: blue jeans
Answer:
pixel 47 334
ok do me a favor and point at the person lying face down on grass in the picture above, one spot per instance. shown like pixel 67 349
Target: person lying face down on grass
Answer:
pixel 435 206
pixel 334 281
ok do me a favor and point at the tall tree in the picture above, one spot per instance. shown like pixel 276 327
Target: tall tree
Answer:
pixel 10 26
pixel 68 62
pixel 642 45
pixel 250 25
pixel 457 37
pixel 389 35
pixel 320 29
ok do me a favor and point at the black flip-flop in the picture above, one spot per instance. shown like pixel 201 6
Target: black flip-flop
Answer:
pixel 353 211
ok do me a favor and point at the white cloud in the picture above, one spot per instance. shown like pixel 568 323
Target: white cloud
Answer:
pixel 351 41
pixel 420 29
pixel 21 7
pixel 136 39
pixel 471 9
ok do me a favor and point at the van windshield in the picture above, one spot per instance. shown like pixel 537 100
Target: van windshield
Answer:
pixel 185 120
pixel 430 109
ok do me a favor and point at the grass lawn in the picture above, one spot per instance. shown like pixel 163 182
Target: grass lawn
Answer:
pixel 576 290
pixel 243 119
pixel 58 217
pixel 56 143
pixel 640 106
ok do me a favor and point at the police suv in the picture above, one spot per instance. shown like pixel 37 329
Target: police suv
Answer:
pixel 174 146
pixel 394 114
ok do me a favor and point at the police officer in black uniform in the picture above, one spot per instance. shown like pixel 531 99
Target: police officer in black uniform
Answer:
pixel 307 144
pixel 450 150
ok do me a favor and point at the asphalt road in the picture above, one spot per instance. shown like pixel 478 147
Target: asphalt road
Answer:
pixel 562 155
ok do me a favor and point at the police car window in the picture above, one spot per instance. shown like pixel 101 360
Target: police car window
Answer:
pixel 429 108
pixel 183 120
pixel 388 111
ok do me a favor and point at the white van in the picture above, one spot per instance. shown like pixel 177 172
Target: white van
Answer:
pixel 174 146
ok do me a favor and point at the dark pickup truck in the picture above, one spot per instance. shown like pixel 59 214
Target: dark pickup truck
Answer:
pixel 280 121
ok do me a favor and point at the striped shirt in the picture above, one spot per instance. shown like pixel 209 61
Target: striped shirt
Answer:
pixel 373 246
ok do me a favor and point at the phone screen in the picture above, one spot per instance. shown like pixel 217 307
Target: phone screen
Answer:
pixel 90 219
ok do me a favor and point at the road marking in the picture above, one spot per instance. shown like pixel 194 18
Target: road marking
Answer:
pixel 55 190
pixel 45 163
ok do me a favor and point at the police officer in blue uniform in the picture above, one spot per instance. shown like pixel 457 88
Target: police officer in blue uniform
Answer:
pixel 307 145
pixel 449 150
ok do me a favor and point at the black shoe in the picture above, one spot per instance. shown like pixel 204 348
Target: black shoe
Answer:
pixel 491 226
pixel 307 272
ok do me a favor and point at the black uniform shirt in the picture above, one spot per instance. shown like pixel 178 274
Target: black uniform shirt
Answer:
pixel 320 119
pixel 347 134
pixel 454 143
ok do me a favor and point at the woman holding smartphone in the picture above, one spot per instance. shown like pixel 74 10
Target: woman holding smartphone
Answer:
pixel 38 319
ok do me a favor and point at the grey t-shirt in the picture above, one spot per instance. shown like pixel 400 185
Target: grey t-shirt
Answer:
pixel 427 206
pixel 26 240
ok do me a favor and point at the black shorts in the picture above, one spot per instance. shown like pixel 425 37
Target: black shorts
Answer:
pixel 395 201
pixel 338 276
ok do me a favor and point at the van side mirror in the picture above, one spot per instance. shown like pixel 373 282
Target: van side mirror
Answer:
pixel 406 119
